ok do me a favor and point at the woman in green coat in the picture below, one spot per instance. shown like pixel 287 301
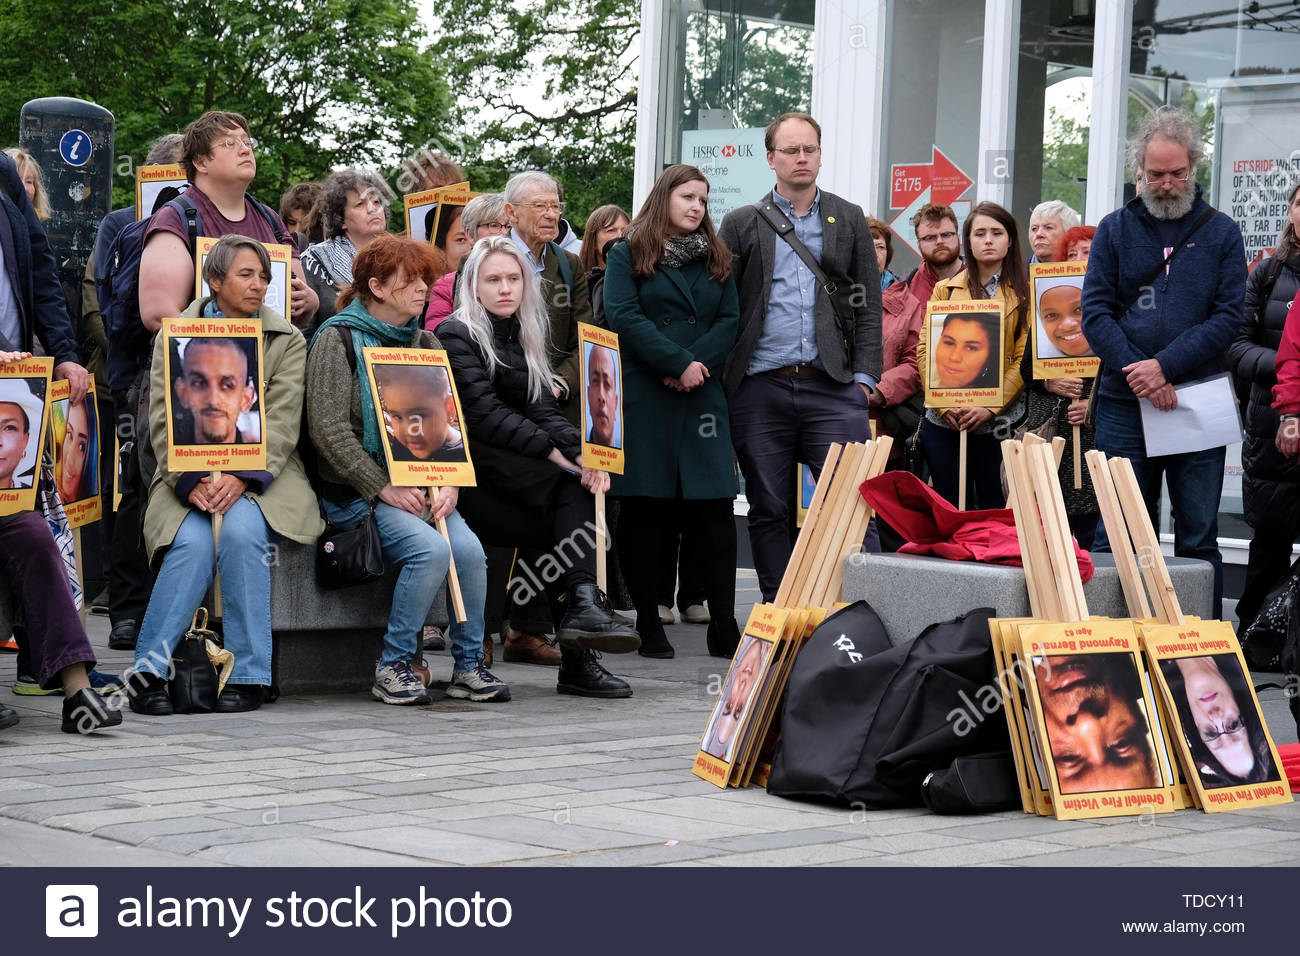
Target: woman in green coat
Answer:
pixel 670 296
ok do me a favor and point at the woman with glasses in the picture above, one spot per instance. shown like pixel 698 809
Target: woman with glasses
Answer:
pixel 482 216
pixel 353 214
pixel 1219 720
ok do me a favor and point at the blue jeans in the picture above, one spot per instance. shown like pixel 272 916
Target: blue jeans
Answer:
pixel 420 551
pixel 187 568
pixel 1195 487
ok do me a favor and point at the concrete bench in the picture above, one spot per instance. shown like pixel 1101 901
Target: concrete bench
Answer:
pixel 911 592
pixel 323 641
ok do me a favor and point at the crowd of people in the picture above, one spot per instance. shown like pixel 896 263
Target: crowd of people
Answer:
pixel 754 343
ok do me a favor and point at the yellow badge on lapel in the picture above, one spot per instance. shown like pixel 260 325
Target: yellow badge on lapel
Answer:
pixel 830 218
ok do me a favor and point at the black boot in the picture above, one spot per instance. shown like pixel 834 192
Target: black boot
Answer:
pixel 654 642
pixel 582 676
pixel 85 712
pixel 723 637
pixel 589 622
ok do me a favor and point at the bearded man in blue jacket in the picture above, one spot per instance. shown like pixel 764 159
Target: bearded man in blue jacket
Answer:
pixel 1156 327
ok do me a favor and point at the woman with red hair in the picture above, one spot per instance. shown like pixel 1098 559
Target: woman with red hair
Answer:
pixel 382 307
pixel 1075 244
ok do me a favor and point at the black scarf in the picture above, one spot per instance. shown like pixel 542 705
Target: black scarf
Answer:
pixel 682 250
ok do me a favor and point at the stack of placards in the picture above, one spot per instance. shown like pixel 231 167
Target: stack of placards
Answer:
pixel 742 731
pixel 739 737
pixel 1093 734
pixel 834 525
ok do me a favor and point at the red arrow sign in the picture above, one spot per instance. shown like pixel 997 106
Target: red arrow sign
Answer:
pixel 941 175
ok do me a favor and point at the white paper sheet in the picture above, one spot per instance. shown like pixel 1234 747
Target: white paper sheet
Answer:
pixel 1206 417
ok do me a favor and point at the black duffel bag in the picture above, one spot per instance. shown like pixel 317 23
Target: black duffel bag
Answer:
pixel 865 722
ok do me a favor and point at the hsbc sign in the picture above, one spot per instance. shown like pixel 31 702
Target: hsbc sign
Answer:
pixel 735 163
pixel 707 151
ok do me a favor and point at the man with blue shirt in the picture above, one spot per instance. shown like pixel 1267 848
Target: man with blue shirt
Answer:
pixel 808 355
pixel 1161 302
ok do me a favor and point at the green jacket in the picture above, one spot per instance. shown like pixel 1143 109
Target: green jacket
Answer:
pixel 288 504
pixel 665 322
pixel 565 310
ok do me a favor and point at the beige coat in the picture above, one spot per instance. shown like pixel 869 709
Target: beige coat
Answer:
pixel 288 504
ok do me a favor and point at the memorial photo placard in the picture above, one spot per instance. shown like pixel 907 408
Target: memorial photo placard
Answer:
pixel 420 417
pixel 1099 724
pixel 1058 345
pixel 74 444
pixel 1219 729
pixel 24 391
pixel 156 185
pixel 602 399
pixel 964 365
pixel 216 418
pixel 733 712
pixel 277 291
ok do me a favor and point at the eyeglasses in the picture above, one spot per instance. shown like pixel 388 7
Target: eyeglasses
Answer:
pixel 937 237
pixel 1230 729
pixel 495 225
pixel 796 150
pixel 542 208
pixel 1177 176
pixel 230 143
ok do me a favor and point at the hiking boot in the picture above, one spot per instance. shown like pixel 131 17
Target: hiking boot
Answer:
pixel 420 668
pixel 479 685
pixel 397 684
pixel 85 712
pixel 432 639
pixel 589 622
pixel 524 648
pixel 582 676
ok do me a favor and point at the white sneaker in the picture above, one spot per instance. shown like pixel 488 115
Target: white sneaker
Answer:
pixel 478 685
pixel 666 615
pixel 397 684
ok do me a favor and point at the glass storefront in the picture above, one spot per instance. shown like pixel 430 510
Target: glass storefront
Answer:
pixel 734 64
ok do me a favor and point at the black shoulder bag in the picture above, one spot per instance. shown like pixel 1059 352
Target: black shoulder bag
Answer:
pixel 349 556
pixel 1136 294
pixel 785 229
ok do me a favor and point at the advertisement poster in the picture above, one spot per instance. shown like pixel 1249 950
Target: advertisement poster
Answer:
pixel 735 160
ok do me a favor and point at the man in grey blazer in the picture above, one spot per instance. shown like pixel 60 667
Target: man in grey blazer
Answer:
pixel 808 354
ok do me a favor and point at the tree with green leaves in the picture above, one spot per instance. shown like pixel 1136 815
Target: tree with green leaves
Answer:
pixel 545 84
pixel 323 84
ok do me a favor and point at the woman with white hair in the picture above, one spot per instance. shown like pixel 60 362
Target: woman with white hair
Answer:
pixel 533 490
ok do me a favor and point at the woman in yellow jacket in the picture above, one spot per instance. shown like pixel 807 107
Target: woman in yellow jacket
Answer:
pixel 995 269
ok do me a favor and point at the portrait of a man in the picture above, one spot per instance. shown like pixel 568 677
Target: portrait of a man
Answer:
pixel 214 389
pixel 601 371
pixel 1097 730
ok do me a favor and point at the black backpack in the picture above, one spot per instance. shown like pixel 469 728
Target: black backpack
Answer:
pixel 866 722
pixel 117 282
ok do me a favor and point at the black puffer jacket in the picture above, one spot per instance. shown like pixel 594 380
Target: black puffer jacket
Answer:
pixel 498 412
pixel 1271 487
